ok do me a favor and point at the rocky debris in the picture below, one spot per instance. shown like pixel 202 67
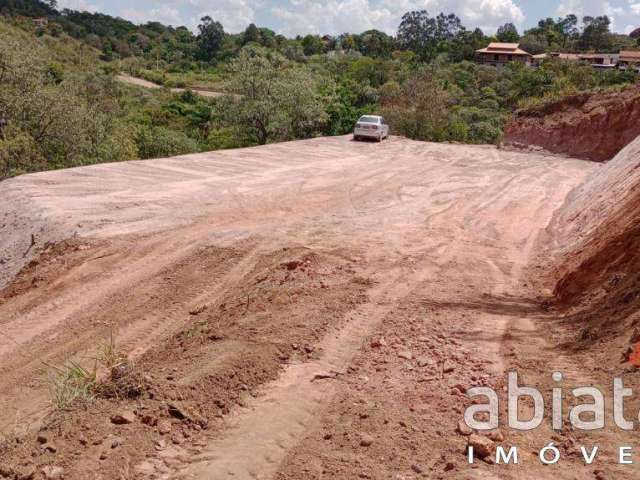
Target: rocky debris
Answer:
pixel 366 440
pixel 463 428
pixel 405 354
pixel 325 375
pixel 197 310
pixel 495 435
pixel 482 446
pixel 424 362
pixel 53 472
pixel 164 427
pixel 448 367
pixel 124 417
pixel 416 467
pixel 378 343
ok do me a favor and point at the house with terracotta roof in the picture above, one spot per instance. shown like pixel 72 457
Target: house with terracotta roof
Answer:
pixel 596 60
pixel 498 54
pixel 629 59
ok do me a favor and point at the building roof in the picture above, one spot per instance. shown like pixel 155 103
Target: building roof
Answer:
pixel 630 56
pixel 504 48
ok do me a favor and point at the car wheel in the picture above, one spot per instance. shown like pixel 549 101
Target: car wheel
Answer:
pixel 356 138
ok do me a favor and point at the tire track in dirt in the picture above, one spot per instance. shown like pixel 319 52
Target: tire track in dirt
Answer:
pixel 261 435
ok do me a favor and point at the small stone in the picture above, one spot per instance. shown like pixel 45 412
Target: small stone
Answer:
pixel 366 440
pixel 123 418
pixel 424 362
pixel 42 438
pixel 464 429
pixel 50 447
pixel 380 342
pixel 448 367
pixel 116 442
pixel 416 467
pixel 407 355
pixel 164 427
pixel 449 466
pixel 103 456
pixel 496 436
pixel 53 472
pixel 482 446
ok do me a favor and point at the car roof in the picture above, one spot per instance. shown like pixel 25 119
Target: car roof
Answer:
pixel 378 117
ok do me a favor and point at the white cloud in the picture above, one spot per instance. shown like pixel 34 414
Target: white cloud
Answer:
pixel 163 14
pixel 81 5
pixel 235 15
pixel 338 16
pixel 635 8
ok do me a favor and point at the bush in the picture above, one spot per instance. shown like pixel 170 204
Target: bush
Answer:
pixel 158 142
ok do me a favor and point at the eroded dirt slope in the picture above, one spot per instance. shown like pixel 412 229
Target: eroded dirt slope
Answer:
pixel 591 126
pixel 304 310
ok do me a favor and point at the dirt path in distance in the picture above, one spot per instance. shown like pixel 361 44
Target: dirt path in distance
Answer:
pixel 141 82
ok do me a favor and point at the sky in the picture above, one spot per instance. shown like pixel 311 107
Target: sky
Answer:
pixel 293 17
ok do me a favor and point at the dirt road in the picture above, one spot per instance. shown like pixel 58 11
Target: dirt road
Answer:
pixel 322 305
pixel 141 82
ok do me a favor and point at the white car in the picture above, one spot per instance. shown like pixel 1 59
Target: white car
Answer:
pixel 371 126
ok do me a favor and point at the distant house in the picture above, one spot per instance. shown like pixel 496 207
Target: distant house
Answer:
pixel 499 54
pixel 629 59
pixel 596 60
pixel 40 22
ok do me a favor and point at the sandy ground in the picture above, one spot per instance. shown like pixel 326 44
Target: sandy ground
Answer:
pixel 141 82
pixel 402 268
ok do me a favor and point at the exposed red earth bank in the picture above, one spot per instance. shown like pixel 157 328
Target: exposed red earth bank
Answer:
pixel 314 309
pixel 592 126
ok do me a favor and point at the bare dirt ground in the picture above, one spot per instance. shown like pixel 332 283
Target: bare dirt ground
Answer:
pixel 306 310
pixel 141 82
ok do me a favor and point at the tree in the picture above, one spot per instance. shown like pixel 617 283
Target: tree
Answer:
pixel 596 34
pixel 508 33
pixel 417 32
pixel 312 45
pixel 274 100
pixel 422 34
pixel 568 29
pixel 210 38
pixel 251 34
pixel 374 43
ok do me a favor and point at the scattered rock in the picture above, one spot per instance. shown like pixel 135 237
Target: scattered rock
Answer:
pixel 424 362
pixel 482 446
pixel 197 310
pixel 164 427
pixel 366 440
pixel 448 367
pixel 416 467
pixel 449 466
pixel 42 438
pixel 464 429
pixel 53 472
pixel 50 447
pixel 407 355
pixel 496 436
pixel 380 342
pixel 123 418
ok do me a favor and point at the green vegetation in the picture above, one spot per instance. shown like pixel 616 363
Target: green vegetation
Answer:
pixel 61 104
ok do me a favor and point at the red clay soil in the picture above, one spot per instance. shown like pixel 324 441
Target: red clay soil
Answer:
pixel 313 310
pixel 590 126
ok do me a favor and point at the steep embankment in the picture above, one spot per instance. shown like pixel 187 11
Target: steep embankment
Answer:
pixel 591 126
pixel 596 245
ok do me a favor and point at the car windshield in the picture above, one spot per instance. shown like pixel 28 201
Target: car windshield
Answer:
pixel 366 119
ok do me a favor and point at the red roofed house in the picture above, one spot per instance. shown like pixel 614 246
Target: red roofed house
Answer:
pixel 499 54
pixel 629 59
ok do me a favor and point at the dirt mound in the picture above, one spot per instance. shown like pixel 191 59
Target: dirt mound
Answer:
pixel 591 126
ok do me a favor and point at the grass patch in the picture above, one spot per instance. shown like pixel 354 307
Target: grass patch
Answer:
pixel 111 376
